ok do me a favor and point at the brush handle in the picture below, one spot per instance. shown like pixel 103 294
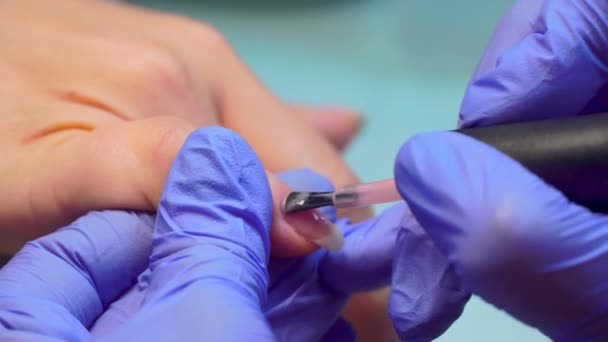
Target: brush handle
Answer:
pixel 365 194
pixel 571 154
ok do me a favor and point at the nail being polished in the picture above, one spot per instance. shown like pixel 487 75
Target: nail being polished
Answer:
pixel 353 196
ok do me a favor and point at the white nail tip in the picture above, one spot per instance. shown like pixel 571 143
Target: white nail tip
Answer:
pixel 334 241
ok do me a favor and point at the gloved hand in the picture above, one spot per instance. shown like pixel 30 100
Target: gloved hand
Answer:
pixel 546 59
pixel 514 240
pixel 306 295
pixel 207 276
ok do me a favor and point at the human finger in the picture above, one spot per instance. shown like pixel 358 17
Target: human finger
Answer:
pixel 200 63
pixel 339 126
pixel 366 268
pixel 282 139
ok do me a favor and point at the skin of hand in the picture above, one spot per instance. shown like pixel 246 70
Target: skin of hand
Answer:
pixel 99 96
pixel 207 270
pixel 514 240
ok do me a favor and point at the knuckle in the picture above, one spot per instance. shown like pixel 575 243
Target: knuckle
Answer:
pixel 151 143
pixel 156 66
pixel 139 152
pixel 166 137
pixel 209 37
pixel 206 37
pixel 169 133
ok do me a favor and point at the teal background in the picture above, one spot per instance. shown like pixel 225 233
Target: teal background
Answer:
pixel 403 63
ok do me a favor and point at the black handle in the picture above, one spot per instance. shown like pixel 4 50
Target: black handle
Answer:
pixel 570 153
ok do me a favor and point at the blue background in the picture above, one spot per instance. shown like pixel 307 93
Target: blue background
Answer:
pixel 403 63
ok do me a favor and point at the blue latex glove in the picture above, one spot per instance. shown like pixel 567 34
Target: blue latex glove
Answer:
pixel 307 294
pixel 546 59
pixel 206 278
pixel 514 240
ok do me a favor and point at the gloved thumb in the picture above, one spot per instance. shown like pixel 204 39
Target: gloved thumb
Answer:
pixel 217 199
pixel 211 245
pixel 514 240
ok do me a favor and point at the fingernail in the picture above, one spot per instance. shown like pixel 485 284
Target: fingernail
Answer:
pixel 311 225
pixel 315 227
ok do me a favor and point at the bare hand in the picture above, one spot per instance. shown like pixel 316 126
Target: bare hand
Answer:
pixel 98 97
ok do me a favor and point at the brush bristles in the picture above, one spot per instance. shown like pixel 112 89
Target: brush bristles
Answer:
pixel 299 201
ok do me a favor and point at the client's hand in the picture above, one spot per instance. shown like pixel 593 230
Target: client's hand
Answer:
pixel 98 97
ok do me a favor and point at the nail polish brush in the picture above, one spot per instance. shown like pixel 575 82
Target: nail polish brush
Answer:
pixel 569 153
pixel 358 195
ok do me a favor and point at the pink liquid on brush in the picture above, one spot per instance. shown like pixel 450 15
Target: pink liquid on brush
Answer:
pixel 365 194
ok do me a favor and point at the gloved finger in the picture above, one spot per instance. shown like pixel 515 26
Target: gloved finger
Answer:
pixel 294 287
pixel 211 245
pixel 58 285
pixel 365 261
pixel 338 125
pixel 298 180
pixel 124 307
pixel 121 310
pixel 427 295
pixel 517 24
pixel 556 70
pixel 303 289
pixel 516 242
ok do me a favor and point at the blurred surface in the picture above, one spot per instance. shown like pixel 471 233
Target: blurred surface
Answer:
pixel 404 64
